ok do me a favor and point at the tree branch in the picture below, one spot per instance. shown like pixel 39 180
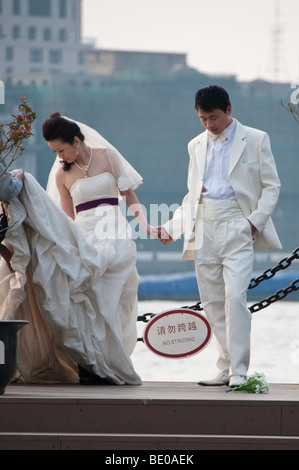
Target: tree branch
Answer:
pixel 18 130
pixel 292 109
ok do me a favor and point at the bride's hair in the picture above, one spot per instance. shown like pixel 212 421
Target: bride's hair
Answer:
pixel 57 127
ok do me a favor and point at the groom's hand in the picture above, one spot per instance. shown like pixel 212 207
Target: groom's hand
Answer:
pixel 164 236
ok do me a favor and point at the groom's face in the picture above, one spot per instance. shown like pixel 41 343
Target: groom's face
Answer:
pixel 216 120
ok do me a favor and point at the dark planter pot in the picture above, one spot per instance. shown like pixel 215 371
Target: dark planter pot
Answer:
pixel 9 348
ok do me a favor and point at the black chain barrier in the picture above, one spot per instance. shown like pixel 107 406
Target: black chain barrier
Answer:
pixel 268 274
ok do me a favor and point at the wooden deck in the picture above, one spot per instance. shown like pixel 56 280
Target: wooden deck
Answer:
pixel 154 416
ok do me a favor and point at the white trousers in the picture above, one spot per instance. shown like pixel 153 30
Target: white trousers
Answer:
pixel 224 264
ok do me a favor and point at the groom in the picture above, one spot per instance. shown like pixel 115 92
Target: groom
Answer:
pixel 233 190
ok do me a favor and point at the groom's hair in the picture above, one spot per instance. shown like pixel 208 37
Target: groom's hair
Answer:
pixel 57 127
pixel 212 97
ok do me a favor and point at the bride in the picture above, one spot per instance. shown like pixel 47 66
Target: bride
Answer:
pixel 73 272
pixel 91 178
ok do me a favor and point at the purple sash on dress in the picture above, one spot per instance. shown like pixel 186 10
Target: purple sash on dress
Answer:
pixel 85 206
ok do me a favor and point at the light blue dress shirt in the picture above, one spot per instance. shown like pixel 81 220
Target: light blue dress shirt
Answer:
pixel 216 181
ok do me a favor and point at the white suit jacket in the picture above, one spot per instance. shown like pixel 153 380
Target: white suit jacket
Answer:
pixel 253 177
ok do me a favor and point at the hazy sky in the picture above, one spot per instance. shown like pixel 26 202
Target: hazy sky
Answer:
pixel 219 36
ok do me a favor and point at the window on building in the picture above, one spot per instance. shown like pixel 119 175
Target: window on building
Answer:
pixel 32 33
pixel 81 58
pixel 47 34
pixel 36 55
pixel 55 56
pixel 16 7
pixel 62 8
pixel 63 35
pixel 39 7
pixel 75 11
pixel 9 53
pixel 1 7
pixel 16 32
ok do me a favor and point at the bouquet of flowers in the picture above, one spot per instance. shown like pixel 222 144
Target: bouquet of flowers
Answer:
pixel 256 383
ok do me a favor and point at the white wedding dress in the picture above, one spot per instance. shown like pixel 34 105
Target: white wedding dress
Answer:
pixel 75 285
pixel 75 282
pixel 108 230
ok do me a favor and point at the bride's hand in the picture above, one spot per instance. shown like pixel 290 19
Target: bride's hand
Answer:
pixel 164 236
pixel 153 232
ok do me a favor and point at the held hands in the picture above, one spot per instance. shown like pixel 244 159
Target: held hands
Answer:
pixel 159 233
pixel 153 232
pixel 164 236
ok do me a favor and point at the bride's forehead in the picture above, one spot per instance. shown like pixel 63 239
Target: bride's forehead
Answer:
pixel 57 144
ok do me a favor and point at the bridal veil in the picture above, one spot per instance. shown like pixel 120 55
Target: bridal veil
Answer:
pixel 125 175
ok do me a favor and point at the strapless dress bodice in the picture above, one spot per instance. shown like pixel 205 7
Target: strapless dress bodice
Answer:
pixel 101 222
pixel 94 187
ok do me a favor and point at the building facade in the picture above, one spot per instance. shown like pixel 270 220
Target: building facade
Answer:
pixel 39 39
pixel 103 62
pixel 41 42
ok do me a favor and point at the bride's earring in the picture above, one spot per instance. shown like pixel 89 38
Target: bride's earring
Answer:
pixel 77 153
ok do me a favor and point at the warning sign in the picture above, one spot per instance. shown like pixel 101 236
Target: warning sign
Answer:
pixel 177 333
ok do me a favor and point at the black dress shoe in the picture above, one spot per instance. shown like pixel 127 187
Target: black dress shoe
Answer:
pixel 86 378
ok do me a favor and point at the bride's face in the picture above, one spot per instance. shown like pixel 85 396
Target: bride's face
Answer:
pixel 66 152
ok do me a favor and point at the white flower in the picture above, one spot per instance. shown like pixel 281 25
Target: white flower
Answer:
pixel 256 383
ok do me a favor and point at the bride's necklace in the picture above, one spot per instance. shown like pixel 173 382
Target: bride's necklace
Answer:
pixel 85 168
